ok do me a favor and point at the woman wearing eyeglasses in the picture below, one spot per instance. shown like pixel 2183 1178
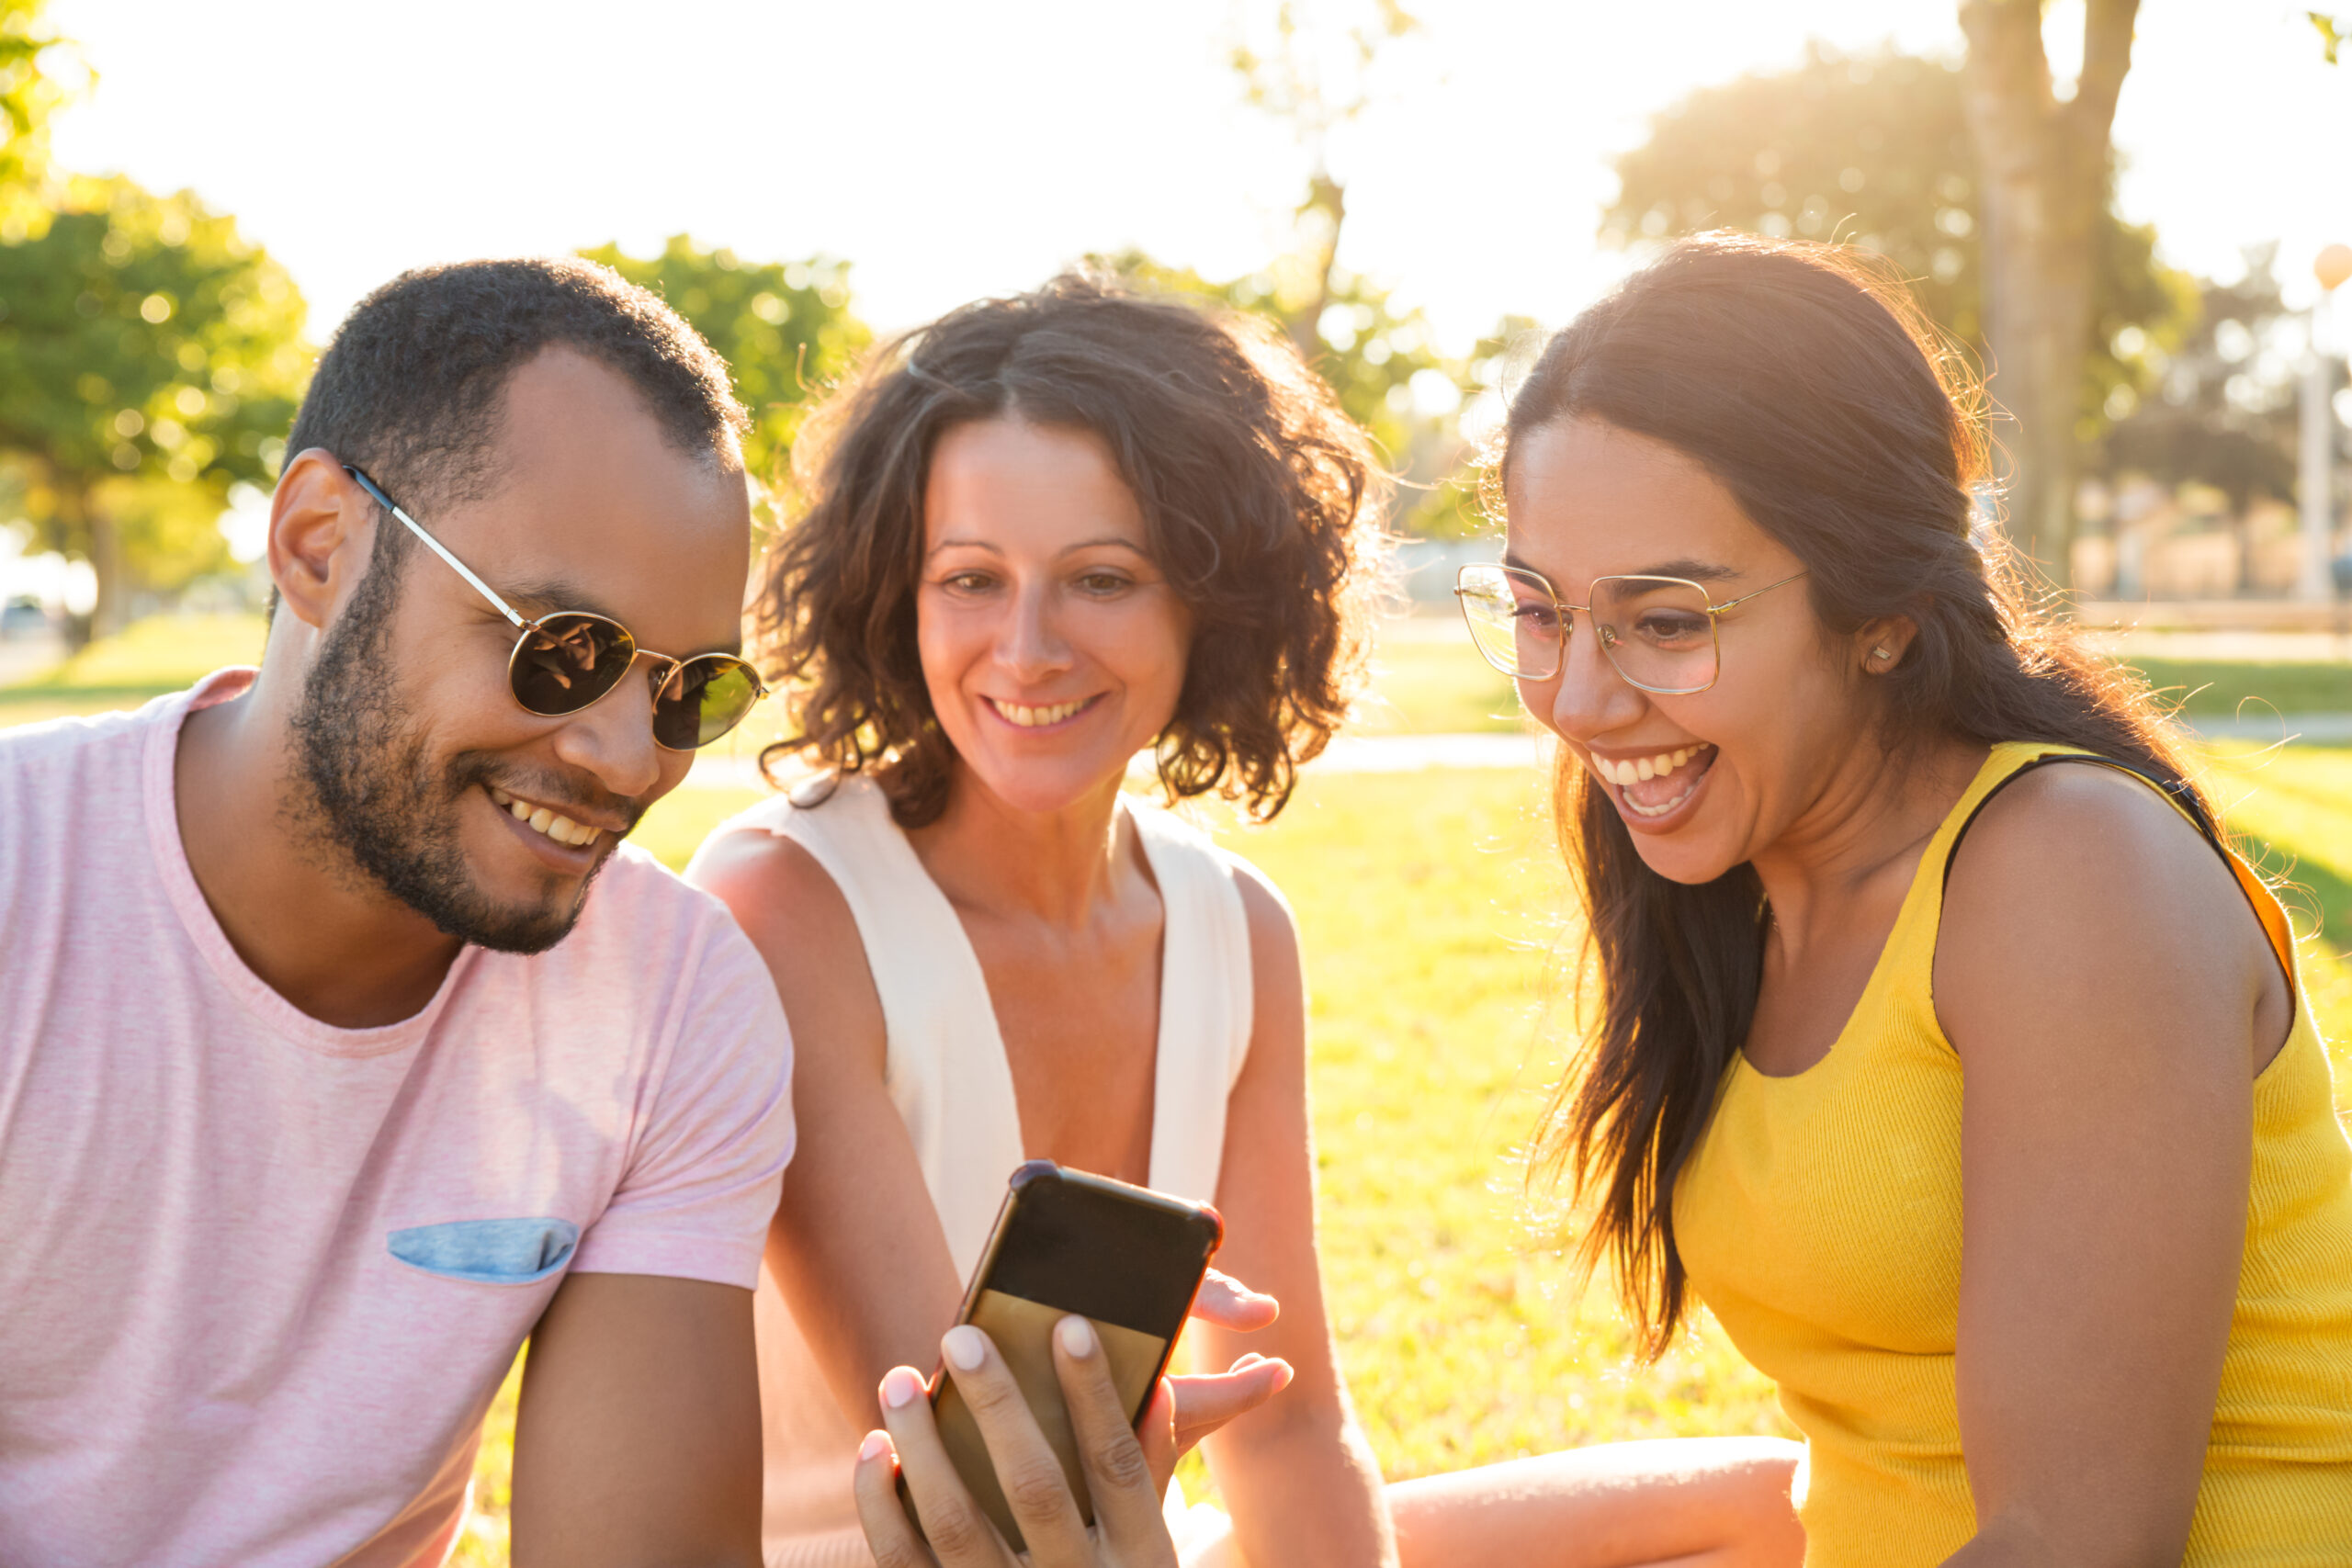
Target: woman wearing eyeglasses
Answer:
pixel 1044 534
pixel 1974 1094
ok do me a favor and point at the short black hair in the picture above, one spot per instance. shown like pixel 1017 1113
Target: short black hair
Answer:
pixel 410 388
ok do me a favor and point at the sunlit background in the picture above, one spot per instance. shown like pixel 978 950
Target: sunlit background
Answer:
pixel 937 151
pixel 192 194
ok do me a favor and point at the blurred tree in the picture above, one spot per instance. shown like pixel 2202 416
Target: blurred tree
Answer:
pixel 30 91
pixel 1384 364
pixel 150 358
pixel 2223 410
pixel 2049 171
pixel 1874 150
pixel 1314 71
pixel 1315 78
pixel 2334 32
pixel 785 329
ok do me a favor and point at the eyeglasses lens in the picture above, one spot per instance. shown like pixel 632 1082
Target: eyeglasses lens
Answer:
pixel 702 700
pixel 1513 620
pixel 568 661
pixel 1658 631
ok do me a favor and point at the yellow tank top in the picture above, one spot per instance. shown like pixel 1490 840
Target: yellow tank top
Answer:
pixel 1819 1220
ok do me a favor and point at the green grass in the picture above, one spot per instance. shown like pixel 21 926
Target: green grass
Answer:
pixel 1431 687
pixel 1429 905
pixel 1428 682
pixel 2216 688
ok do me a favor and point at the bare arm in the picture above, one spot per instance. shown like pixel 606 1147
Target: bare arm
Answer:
pixel 1298 1475
pixel 2111 1000
pixel 638 1440
pixel 856 1245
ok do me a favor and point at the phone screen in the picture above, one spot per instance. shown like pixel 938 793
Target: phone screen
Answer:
pixel 1127 1259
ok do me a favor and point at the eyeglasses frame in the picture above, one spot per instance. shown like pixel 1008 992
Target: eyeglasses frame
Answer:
pixel 665 665
pixel 1602 635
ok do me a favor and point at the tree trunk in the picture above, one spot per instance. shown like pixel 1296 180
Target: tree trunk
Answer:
pixel 2045 183
pixel 106 562
pixel 1321 215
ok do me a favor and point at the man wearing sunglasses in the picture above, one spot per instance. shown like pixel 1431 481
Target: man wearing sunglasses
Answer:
pixel 342 1043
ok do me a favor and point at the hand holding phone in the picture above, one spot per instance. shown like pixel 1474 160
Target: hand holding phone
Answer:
pixel 1126 1467
pixel 1084 1277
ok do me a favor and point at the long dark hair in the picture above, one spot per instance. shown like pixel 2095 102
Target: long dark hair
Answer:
pixel 1806 382
pixel 1261 500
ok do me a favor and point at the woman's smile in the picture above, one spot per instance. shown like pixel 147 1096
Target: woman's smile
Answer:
pixel 1654 790
pixel 1042 716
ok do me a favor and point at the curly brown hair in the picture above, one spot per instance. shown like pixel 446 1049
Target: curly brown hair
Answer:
pixel 1261 499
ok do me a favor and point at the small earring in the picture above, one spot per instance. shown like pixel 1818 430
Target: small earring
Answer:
pixel 1880 653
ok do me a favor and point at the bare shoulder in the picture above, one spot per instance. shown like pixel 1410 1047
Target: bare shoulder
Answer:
pixel 772 884
pixel 2080 893
pixel 796 916
pixel 1277 986
pixel 1271 926
pixel 2060 835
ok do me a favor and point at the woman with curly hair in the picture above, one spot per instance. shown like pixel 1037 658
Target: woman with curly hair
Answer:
pixel 1044 534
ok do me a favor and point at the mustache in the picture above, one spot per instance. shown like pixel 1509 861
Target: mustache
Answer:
pixel 574 793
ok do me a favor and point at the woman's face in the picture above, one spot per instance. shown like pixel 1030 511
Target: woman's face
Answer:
pixel 1052 648
pixel 1738 765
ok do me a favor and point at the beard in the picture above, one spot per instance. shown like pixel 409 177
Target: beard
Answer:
pixel 379 809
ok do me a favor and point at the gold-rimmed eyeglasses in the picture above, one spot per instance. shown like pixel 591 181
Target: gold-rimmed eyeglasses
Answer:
pixel 1659 633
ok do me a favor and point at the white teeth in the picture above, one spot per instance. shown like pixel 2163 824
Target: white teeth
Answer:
pixel 554 824
pixel 1029 717
pixel 1624 772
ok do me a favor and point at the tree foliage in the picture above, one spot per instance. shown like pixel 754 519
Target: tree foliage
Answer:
pixel 30 92
pixel 1874 150
pixel 1384 363
pixel 150 357
pixel 2222 411
pixel 2334 33
pixel 785 329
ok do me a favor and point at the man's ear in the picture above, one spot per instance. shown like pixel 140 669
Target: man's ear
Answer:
pixel 321 531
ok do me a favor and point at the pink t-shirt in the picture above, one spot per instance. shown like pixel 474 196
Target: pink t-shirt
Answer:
pixel 260 1278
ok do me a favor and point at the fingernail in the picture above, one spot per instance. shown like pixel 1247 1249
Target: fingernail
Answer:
pixel 966 1347
pixel 876 1444
pixel 1283 1379
pixel 1077 1336
pixel 900 1388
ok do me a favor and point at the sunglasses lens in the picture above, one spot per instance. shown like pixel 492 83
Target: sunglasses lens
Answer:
pixel 568 661
pixel 702 700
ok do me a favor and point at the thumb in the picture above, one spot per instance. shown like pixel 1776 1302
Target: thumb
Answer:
pixel 1199 1406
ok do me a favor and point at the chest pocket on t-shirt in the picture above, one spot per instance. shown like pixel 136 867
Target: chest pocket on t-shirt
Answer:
pixel 488 1252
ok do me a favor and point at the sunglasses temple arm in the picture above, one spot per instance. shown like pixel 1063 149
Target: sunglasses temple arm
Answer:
pixel 460 568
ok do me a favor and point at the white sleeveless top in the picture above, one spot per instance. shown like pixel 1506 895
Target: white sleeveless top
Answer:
pixel 944 1050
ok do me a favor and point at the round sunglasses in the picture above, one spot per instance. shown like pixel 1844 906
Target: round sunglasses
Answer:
pixel 564 661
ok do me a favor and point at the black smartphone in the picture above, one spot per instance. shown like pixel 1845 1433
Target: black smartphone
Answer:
pixel 1128 1259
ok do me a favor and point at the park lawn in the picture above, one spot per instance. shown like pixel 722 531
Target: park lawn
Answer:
pixel 1426 682
pixel 1429 912
pixel 1432 918
pixel 2223 688
pixel 151 658
pixel 1428 686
